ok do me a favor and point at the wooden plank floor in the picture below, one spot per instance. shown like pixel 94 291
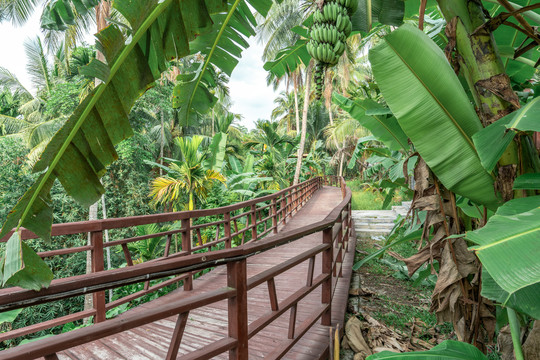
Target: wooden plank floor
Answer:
pixel 208 324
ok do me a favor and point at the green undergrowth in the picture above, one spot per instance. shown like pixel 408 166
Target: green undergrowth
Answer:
pixel 399 300
pixel 366 197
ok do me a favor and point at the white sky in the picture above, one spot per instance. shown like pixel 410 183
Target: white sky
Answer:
pixel 251 97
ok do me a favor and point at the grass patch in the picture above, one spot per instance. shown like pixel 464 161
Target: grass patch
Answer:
pixel 365 198
pixel 401 316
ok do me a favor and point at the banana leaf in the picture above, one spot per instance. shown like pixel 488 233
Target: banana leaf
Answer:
pixel 528 182
pixel 493 140
pixel 221 48
pixel 80 151
pixel 507 245
pixel 524 300
pixel 447 350
pixel 385 129
pixel 288 59
pixel 432 108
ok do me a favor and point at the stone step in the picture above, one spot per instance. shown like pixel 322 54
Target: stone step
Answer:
pixel 385 220
pixel 389 214
pixel 371 233
pixel 368 225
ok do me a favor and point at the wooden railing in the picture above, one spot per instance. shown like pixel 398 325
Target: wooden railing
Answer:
pixel 263 215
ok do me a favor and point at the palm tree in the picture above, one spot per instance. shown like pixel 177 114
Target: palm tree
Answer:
pixel 186 177
pixel 284 110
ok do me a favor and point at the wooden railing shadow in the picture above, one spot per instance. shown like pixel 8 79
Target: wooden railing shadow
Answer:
pixel 261 219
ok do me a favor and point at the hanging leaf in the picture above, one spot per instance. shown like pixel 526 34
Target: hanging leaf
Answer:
pixel 21 266
pixel 58 14
pixel 288 59
pixel 510 237
pixel 493 140
pixel 524 300
pixel 432 108
pixel 447 350
pixel 385 129
pixel 359 149
pixel 528 182
pixel 221 48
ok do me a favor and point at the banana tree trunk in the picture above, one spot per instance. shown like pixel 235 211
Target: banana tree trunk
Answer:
pixel 479 61
pixel 304 125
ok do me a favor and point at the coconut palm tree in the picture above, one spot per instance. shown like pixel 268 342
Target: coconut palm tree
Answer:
pixel 284 111
pixel 185 177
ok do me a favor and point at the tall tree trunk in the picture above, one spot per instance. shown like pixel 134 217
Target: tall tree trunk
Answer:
pixel 304 124
pixel 162 144
pixel 342 159
pixel 297 111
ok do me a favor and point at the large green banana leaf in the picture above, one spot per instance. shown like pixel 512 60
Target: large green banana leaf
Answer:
pixel 508 247
pixel 524 300
pixel 493 140
pixel 447 350
pixel 78 154
pixel 384 128
pixel 288 59
pixel 432 108
pixel 221 48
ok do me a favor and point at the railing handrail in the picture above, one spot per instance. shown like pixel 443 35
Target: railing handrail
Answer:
pixel 79 227
pixel 12 299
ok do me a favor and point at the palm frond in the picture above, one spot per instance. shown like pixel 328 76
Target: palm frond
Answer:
pixel 38 64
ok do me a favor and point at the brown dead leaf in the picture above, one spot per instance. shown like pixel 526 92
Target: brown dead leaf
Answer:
pixel 430 202
pixel 429 252
pixel 353 330
pixel 421 177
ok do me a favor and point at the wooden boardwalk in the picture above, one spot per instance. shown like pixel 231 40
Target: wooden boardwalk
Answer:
pixel 207 324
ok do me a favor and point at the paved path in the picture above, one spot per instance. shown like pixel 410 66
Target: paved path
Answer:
pixel 208 324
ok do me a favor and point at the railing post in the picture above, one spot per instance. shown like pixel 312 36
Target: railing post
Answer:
pixel 254 222
pixel 284 208
pixel 98 297
pixel 238 320
pixel 340 241
pixel 274 215
pixel 327 257
pixel 227 230
pixel 186 246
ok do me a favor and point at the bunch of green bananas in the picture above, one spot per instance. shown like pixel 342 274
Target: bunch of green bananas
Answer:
pixel 331 27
